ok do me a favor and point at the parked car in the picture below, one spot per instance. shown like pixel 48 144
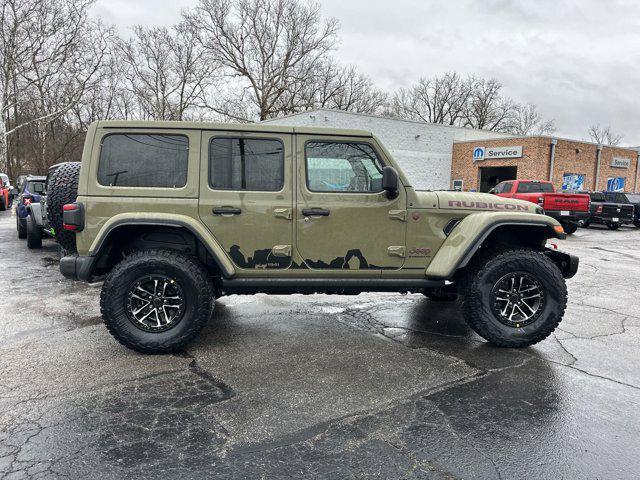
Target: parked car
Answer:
pixel 627 198
pixel 170 229
pixel 6 196
pixel 606 211
pixel 568 208
pixel 29 197
pixel 38 221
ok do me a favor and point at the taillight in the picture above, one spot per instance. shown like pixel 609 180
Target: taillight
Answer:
pixel 26 201
pixel 541 201
pixel 599 209
pixel 73 217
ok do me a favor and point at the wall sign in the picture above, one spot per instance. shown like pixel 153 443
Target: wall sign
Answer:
pixel 572 182
pixel 457 185
pixel 615 184
pixel 486 153
pixel 618 162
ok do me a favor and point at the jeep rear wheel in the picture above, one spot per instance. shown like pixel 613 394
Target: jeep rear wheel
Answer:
pixel 21 225
pixel 156 301
pixel 34 233
pixel 515 298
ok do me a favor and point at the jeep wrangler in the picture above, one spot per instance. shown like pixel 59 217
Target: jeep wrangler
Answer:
pixel 172 215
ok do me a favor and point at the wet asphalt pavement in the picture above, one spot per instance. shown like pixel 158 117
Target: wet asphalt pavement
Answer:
pixel 368 386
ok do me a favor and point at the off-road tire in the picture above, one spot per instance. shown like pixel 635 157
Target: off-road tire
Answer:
pixel 34 233
pixel 189 275
pixel 3 207
pixel 479 280
pixel 570 227
pixel 21 226
pixel 613 226
pixel 585 224
pixel 63 189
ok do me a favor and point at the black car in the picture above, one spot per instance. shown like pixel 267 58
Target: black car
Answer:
pixel 609 213
pixel 627 198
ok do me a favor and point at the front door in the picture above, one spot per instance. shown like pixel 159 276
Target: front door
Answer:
pixel 246 196
pixel 344 220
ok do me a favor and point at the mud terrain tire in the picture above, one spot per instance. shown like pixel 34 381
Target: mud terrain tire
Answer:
pixel 21 225
pixel 481 308
pixel 63 189
pixel 195 288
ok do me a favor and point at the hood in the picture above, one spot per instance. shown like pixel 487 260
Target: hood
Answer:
pixel 474 202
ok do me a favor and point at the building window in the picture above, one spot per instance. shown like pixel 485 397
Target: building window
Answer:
pixel 342 167
pixel 143 160
pixel 246 164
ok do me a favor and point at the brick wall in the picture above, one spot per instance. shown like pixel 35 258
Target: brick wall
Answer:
pixel 570 157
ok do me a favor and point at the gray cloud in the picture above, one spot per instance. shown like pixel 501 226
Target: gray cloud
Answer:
pixel 578 60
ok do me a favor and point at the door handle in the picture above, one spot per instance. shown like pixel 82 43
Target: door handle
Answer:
pixel 315 212
pixel 226 211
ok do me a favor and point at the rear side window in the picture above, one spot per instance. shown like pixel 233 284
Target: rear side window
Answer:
pixel 534 187
pixel 246 164
pixel 144 160
pixel 35 187
pixel 598 197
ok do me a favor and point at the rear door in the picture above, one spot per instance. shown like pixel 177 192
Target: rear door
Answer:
pixel 344 220
pixel 246 196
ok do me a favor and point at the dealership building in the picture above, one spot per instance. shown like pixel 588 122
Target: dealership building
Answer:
pixel 570 165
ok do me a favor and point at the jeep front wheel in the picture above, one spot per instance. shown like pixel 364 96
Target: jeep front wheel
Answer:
pixel 514 298
pixel 156 301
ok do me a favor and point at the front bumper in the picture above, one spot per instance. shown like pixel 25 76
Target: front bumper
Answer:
pixel 567 263
pixel 77 267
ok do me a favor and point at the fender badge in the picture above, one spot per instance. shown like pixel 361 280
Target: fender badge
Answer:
pixel 416 216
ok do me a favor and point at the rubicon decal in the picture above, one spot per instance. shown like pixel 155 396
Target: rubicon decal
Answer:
pixel 488 206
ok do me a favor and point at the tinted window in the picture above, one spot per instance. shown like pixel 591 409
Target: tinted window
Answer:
pixel 246 164
pixel 507 187
pixel 598 197
pixel 535 187
pixel 633 198
pixel 342 167
pixel 144 160
pixel 35 187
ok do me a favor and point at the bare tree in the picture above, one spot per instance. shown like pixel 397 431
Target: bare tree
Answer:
pixel 166 71
pixel 604 135
pixel 441 99
pixel 50 52
pixel 267 45
pixel 525 120
pixel 486 108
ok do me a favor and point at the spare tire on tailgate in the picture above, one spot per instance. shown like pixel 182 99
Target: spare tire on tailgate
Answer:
pixel 63 189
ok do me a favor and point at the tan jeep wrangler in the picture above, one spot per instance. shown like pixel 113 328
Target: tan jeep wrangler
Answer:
pixel 172 215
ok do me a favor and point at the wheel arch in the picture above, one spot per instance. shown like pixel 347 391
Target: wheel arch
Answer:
pixel 175 234
pixel 473 234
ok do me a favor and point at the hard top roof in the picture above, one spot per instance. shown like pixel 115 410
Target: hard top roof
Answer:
pixel 234 127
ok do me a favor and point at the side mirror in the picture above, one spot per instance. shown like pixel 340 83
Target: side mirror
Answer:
pixel 390 181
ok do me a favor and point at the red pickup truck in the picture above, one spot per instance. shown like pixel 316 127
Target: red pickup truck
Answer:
pixel 567 208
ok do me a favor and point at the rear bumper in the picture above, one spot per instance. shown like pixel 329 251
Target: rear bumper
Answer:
pixel 77 267
pixel 567 263
pixel 570 217
pixel 610 219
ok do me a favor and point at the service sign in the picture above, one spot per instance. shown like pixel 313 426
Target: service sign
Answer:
pixel 486 153
pixel 618 162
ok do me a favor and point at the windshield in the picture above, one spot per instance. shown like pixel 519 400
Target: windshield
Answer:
pixel 534 187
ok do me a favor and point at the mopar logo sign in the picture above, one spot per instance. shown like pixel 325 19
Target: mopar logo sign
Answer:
pixel 615 184
pixel 482 153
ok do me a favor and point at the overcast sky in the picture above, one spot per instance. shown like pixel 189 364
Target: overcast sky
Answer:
pixel 578 60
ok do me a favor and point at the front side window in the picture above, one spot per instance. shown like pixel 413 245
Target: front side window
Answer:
pixel 507 187
pixel 144 160
pixel 246 164
pixel 342 167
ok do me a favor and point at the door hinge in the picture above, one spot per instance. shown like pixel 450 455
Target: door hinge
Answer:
pixel 398 215
pixel 282 213
pixel 396 251
pixel 281 251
